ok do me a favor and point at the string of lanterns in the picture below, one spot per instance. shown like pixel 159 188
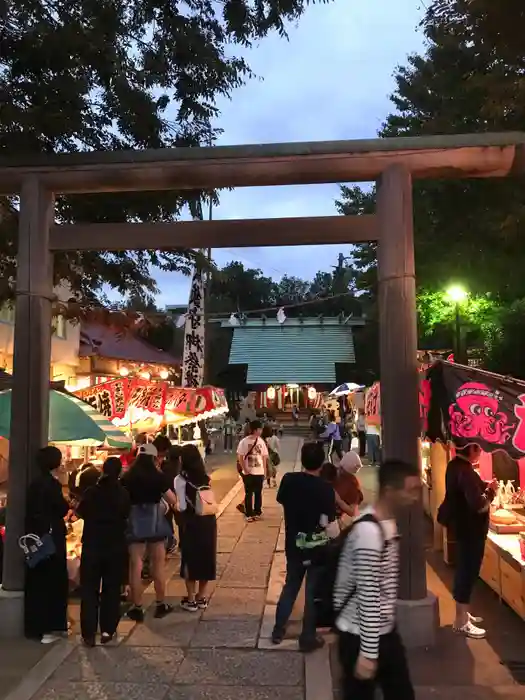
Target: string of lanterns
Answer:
pixel 146 374
pixel 271 393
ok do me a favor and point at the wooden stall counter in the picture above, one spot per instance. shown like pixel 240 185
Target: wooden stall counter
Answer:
pixel 503 569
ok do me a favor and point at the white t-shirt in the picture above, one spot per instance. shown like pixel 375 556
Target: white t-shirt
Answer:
pixel 254 460
pixel 351 462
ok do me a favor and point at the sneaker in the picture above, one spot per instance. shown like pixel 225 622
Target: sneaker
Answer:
pixel 49 639
pixel 88 641
pixel 189 605
pixel 136 613
pixel 474 619
pixel 162 609
pixel 202 603
pixel 471 631
pixel 258 517
pixel 250 519
pixel 307 646
pixel 106 638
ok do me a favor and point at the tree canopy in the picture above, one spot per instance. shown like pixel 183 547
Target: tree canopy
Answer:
pixel 236 289
pixel 471 231
pixel 102 75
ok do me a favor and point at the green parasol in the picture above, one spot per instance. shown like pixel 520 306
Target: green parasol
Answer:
pixel 71 420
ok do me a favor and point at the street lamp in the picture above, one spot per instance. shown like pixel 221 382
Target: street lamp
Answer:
pixel 457 295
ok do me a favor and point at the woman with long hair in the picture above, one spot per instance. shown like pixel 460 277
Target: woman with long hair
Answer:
pixel 47 585
pixel 150 494
pixel 198 533
pixel 105 509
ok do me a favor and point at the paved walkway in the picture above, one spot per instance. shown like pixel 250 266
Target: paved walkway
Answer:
pixel 219 654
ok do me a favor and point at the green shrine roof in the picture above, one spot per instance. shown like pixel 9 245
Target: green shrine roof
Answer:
pixel 297 351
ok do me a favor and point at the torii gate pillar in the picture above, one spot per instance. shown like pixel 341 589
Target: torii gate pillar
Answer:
pixel 400 389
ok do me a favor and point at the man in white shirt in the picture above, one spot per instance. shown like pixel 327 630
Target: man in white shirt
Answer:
pixel 365 592
pixel 252 458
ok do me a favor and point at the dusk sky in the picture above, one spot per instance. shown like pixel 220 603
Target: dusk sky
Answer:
pixel 330 81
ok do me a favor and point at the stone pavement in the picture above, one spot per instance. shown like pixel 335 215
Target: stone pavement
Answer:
pixel 220 653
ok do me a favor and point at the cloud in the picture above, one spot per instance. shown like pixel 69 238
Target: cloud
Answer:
pixel 330 81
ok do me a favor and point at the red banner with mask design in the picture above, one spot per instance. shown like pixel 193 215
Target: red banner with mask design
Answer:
pixel 469 405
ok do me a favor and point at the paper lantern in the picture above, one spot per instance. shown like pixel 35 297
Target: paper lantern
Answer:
pixel 270 393
pixel 312 393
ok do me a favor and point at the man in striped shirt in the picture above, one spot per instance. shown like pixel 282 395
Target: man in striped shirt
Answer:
pixel 365 593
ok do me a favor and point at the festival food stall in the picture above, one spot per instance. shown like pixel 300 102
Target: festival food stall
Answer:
pixel 466 406
pixel 141 406
pixel 74 426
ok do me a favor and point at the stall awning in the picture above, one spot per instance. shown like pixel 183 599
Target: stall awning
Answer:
pixel 300 353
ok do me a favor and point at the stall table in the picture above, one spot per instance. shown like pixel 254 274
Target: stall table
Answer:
pixel 503 570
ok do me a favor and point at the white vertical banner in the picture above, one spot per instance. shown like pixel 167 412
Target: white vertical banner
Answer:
pixel 193 356
pixel 194 330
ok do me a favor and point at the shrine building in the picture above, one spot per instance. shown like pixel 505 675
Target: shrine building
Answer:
pixel 289 363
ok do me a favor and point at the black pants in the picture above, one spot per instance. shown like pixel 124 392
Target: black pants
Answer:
pixel 228 442
pixel 337 447
pixel 393 676
pixel 101 574
pixel 253 486
pixel 469 557
pixel 361 436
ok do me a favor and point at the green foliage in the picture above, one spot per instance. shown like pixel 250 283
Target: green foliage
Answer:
pixel 436 309
pixel 505 340
pixel 235 288
pixel 79 75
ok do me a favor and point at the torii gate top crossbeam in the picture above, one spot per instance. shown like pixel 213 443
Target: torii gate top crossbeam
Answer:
pixel 469 155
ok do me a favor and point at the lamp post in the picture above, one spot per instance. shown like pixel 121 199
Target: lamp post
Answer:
pixel 457 294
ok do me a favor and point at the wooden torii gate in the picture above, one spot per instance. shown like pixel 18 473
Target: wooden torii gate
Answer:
pixel 393 163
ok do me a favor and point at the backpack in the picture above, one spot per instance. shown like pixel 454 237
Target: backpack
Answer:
pixel 205 503
pixel 274 457
pixel 326 613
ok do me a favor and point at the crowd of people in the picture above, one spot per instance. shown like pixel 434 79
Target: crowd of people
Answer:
pixel 128 519
pixel 347 557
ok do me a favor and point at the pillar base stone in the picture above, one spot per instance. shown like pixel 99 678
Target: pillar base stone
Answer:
pixel 11 614
pixel 418 621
